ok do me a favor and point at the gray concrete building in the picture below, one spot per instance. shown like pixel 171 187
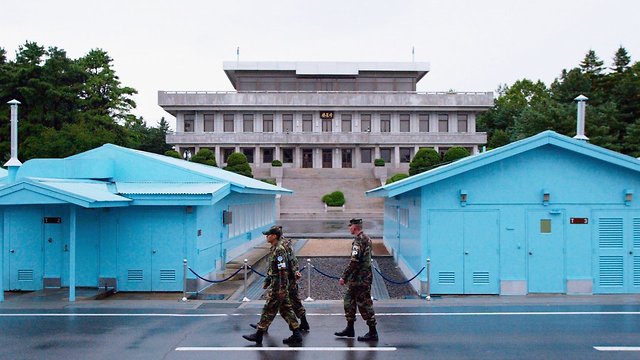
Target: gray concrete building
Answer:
pixel 324 115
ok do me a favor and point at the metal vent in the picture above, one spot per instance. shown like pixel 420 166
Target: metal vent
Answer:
pixel 480 277
pixel 636 233
pixel 446 277
pixel 134 275
pixel 636 271
pixel 611 271
pixel 25 275
pixel 168 275
pixel 610 233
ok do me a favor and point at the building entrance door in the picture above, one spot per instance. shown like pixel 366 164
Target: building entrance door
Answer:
pixel 327 158
pixel 347 158
pixel 307 158
pixel 545 249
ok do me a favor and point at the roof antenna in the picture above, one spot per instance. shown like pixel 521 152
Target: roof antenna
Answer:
pixel 413 54
pixel 238 54
pixel 13 164
pixel 582 103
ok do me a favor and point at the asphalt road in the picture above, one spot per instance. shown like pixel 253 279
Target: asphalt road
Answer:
pixel 213 331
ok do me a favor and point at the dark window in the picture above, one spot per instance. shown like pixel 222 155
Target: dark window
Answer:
pixel 267 155
pixel 248 152
pixel 462 123
pixel 346 122
pixel 405 123
pixel 247 122
pixel 287 156
pixel 228 123
pixel 307 122
pixel 443 123
pixel 365 123
pixel 385 123
pixel 267 123
pixel 424 122
pixel 226 152
pixel 326 125
pixel 189 121
pixel 208 122
pixel 385 153
pixel 366 155
pixel 287 122
pixel 405 155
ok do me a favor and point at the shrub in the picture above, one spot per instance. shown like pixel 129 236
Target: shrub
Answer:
pixel 269 181
pixel 276 163
pixel 205 156
pixel 173 153
pixel 378 162
pixel 455 153
pixel 425 159
pixel 238 164
pixel 335 198
pixel 396 177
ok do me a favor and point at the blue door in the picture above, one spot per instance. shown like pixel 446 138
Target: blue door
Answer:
pixel 617 245
pixel 134 251
pixel 481 253
pixel 87 247
pixel 54 243
pixel 445 247
pixel 24 230
pixel 545 249
pixel 166 230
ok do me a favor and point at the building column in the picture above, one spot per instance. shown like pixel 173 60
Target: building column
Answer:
pixel 396 156
pixel 257 157
pixel 198 126
pixel 72 253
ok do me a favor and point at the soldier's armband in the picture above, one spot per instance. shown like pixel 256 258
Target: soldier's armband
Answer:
pixel 282 265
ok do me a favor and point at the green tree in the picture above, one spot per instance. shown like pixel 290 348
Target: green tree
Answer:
pixel 173 153
pixel 497 139
pixel 396 177
pixel 205 156
pixel 455 153
pixel 423 160
pixel 237 163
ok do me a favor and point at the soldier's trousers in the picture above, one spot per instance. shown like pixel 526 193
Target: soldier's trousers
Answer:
pixel 271 308
pixel 359 297
pixel 296 303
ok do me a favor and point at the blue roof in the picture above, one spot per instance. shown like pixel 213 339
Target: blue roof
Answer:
pixel 3 175
pixel 473 162
pixel 168 188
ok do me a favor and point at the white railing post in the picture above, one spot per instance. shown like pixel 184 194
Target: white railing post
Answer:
pixel 184 280
pixel 309 298
pixel 428 279
pixel 245 298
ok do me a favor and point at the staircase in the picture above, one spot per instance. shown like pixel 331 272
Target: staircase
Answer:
pixel 309 185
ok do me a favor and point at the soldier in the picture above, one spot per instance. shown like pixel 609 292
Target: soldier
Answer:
pixel 358 277
pixel 277 296
pixel 294 276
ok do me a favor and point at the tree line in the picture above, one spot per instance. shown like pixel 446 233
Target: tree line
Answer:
pixel 69 105
pixel 526 108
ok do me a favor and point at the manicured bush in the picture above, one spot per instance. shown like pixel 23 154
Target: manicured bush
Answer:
pixel 237 163
pixel 378 162
pixel 205 156
pixel 173 153
pixel 396 177
pixel 425 159
pixel 455 153
pixel 276 163
pixel 269 181
pixel 335 198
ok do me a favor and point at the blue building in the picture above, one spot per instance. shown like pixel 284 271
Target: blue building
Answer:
pixel 547 214
pixel 118 217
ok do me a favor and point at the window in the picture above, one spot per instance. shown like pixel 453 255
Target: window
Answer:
pixel 208 122
pixel 226 152
pixel 228 122
pixel 443 123
pixel 189 121
pixel 287 156
pixel 267 123
pixel 365 123
pixel 307 122
pixel 405 123
pixel 424 122
pixel 247 122
pixel 248 152
pixel 327 125
pixel 267 155
pixel 385 154
pixel 545 226
pixel 366 155
pixel 462 123
pixel 385 122
pixel 405 155
pixel 287 122
pixel 346 122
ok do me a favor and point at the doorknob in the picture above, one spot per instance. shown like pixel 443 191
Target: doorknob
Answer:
pixel 12 251
pixel 630 252
pixel 466 253
pixel 153 251
pixel 530 253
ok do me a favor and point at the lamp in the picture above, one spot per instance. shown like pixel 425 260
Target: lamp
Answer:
pixel 545 197
pixel 628 196
pixel 463 197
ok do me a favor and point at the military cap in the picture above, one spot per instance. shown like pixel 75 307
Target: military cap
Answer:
pixel 355 221
pixel 274 230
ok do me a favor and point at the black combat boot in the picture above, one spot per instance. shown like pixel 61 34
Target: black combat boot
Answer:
pixel 304 325
pixel 257 337
pixel 294 339
pixel 372 335
pixel 348 331
pixel 255 326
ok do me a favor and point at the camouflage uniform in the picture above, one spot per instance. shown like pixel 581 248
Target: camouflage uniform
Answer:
pixel 294 267
pixel 277 295
pixel 358 277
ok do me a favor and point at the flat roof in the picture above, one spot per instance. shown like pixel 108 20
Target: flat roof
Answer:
pixel 324 68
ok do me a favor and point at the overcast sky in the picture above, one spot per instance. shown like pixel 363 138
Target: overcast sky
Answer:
pixel 180 45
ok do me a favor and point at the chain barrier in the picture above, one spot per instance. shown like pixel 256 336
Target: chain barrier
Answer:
pixel 324 274
pixel 396 282
pixel 215 281
pixel 256 271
